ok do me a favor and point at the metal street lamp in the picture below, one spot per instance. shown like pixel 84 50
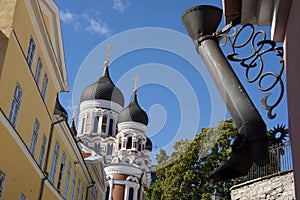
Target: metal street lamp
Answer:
pixel 216 195
pixel 251 144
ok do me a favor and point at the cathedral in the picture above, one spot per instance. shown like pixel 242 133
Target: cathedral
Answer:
pixel 118 134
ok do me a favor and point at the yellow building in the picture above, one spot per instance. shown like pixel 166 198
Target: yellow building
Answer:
pixel 39 155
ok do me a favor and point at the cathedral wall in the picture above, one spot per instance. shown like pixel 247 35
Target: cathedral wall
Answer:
pixel 118 191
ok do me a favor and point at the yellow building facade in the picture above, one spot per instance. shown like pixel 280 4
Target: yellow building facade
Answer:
pixel 39 155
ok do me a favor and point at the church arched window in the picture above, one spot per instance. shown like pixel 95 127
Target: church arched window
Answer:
pixel 129 143
pixel 140 144
pixel 110 127
pixel 104 123
pixel 96 122
pixel 82 125
pixel 109 149
pixel 88 123
pixel 131 194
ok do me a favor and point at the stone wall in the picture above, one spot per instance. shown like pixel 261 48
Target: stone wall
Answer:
pixel 276 186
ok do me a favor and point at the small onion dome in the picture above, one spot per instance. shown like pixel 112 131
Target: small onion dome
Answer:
pixel 73 128
pixel 133 112
pixel 148 144
pixel 103 89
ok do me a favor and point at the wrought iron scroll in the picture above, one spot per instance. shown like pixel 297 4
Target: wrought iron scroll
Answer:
pixel 260 46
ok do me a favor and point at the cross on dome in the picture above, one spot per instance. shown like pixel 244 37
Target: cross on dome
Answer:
pixel 136 78
pixel 108 48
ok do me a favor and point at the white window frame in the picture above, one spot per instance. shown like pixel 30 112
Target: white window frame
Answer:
pixel 68 176
pixel 61 171
pixel 54 162
pixel 31 52
pixel 73 186
pixel 34 137
pixel 38 71
pixel 45 86
pixel 15 106
pixel 42 151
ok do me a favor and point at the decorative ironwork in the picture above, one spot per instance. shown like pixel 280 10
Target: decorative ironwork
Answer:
pixel 253 60
pixel 278 135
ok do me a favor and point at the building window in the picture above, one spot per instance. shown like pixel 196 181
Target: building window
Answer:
pixel 88 123
pixel 22 197
pixel 94 193
pixel 38 70
pixel 45 86
pixel 110 128
pixel 67 181
pixel 73 186
pixel 107 193
pixel 120 145
pixel 34 137
pixel 97 147
pixel 129 143
pixel 96 122
pixel 82 125
pixel 104 123
pixel 2 180
pixel 109 149
pixel 42 151
pixel 31 52
pixel 61 171
pixel 131 194
pixel 140 144
pixel 15 106
pixel 78 189
pixel 54 162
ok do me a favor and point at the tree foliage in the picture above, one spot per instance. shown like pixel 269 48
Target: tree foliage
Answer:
pixel 185 173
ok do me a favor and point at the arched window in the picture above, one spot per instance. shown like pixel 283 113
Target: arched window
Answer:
pixel 129 143
pixel 120 145
pixel 131 192
pixel 110 128
pixel 96 122
pixel 104 123
pixel 82 125
pixel 109 149
pixel 88 123
pixel 107 193
pixel 140 144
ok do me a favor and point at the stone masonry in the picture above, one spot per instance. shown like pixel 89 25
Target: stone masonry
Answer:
pixel 276 186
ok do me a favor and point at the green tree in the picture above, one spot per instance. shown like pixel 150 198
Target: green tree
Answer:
pixel 185 173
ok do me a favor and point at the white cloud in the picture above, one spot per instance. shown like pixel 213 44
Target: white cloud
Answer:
pixel 67 17
pixel 97 26
pixel 120 5
pixel 85 21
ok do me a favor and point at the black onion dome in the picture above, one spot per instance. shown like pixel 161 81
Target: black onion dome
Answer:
pixel 148 144
pixel 133 112
pixel 103 89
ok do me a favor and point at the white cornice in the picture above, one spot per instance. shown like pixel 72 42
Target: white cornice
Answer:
pixel 56 67
pixel 123 169
pixel 124 126
pixel 101 104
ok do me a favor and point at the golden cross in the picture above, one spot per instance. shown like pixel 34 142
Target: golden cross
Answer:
pixel 108 48
pixel 136 78
pixel 74 111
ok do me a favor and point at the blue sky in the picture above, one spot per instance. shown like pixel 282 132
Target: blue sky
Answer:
pixel 148 40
